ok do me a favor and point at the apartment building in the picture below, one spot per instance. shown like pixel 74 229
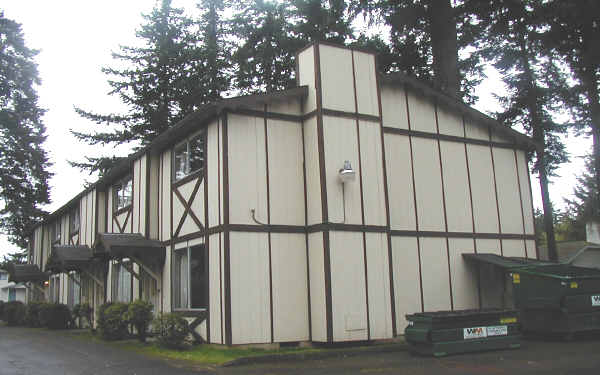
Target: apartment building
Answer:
pixel 323 213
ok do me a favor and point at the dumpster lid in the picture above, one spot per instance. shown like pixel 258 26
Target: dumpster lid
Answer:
pixel 562 271
pixel 503 262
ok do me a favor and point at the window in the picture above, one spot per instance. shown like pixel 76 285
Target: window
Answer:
pixel 122 193
pixel 55 231
pixel 190 278
pixel 121 284
pixel 74 220
pixel 188 157
pixel 54 289
pixel 74 290
pixel 3 276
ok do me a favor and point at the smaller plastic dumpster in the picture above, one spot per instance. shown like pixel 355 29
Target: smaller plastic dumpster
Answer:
pixel 441 333
pixel 558 299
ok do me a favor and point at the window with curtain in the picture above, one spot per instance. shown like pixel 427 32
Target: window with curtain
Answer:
pixel 190 278
pixel 121 284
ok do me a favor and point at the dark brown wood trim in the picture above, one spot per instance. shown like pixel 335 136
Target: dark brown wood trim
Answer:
pixel 269 223
pixel 346 228
pixel 449 138
pixel 133 192
pixel 350 115
pixel 481 236
pixel 115 220
pixel 207 238
pixel 414 188
pixel 226 248
pixel 537 249
pixel 188 207
pixel 126 221
pixel 520 199
pixel 309 306
pixel 221 312
pixel 387 203
pixel 362 202
pixel 267 114
pixel 96 215
pixel 147 210
pixel 324 207
pixel 140 196
pixel 496 190
pixel 439 147
pixel 309 115
pixel 472 211
pixel 182 181
pixel 122 209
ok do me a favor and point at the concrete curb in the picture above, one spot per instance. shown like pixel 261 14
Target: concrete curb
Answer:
pixel 321 354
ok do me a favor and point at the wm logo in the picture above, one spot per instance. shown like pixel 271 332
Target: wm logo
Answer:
pixel 595 300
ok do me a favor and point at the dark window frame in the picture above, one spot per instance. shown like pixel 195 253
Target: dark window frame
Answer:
pixel 75 213
pixel 55 232
pixel 189 172
pixel 116 189
pixel 175 289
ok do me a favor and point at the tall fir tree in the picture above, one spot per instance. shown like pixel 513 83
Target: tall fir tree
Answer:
pixel 264 56
pixel 322 20
pixel 163 80
pixel 426 41
pixel 533 80
pixel 581 207
pixel 23 162
pixel 214 49
pixel 575 34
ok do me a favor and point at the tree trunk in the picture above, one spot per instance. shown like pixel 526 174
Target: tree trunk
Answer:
pixel 548 211
pixel 444 46
pixel 539 135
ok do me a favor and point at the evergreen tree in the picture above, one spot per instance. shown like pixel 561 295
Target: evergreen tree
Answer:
pixel 425 39
pixel 320 20
pixel 163 80
pixel 264 57
pixel 575 34
pixel 582 207
pixel 23 162
pixel 533 80
pixel 214 49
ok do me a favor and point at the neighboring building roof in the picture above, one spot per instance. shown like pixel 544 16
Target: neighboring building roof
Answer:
pixel 14 286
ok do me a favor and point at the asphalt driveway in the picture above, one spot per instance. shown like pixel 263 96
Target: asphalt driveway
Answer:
pixel 41 352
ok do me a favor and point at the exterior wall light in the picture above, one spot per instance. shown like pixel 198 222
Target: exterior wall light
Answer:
pixel 347 174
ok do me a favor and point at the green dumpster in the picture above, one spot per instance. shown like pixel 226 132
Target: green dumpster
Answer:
pixel 558 299
pixel 442 333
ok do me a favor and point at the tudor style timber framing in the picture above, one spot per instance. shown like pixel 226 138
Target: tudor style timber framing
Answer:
pixel 416 152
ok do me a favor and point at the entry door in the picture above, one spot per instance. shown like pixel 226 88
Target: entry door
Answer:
pixel 12 294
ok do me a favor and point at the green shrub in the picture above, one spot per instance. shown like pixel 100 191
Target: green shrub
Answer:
pixel 139 314
pixel 84 313
pixel 112 321
pixel 1 310
pixel 32 314
pixel 171 330
pixel 54 315
pixel 14 313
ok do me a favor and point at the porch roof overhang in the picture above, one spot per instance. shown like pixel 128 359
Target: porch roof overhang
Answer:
pixel 21 273
pixel 65 258
pixel 129 245
pixel 505 263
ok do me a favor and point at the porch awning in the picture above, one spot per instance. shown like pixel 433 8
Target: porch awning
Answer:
pixel 22 273
pixel 505 263
pixel 129 245
pixel 64 258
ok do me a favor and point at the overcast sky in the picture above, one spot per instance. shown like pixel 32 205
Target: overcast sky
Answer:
pixel 75 39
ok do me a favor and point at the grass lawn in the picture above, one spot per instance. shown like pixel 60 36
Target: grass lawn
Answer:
pixel 205 354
